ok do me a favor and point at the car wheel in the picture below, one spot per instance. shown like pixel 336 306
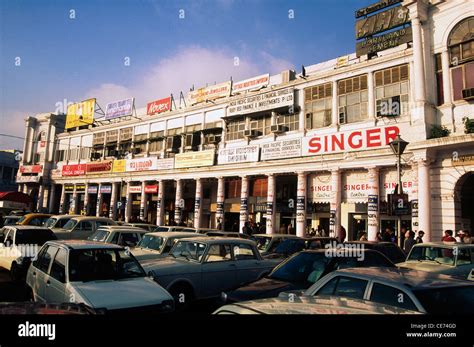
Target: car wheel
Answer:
pixel 15 272
pixel 183 296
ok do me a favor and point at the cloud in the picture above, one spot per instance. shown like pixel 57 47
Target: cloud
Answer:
pixel 13 123
pixel 189 66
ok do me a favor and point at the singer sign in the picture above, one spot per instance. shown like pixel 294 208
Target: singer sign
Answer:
pixel 349 141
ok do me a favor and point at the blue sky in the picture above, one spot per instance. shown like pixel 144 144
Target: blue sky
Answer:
pixel 72 59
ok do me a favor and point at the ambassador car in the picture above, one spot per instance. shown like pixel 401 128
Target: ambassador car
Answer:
pixel 80 228
pixel 121 235
pixel 455 259
pixel 203 267
pixel 103 276
pixel 158 245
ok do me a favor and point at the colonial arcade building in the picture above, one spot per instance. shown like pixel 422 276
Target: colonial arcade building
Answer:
pixel 307 150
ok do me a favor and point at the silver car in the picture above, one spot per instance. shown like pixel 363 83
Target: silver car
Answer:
pixel 158 245
pixel 57 222
pixel 80 228
pixel 204 267
pixel 121 235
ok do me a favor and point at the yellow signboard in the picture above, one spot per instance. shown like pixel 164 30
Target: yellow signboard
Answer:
pixel 119 165
pixel 81 113
pixel 194 159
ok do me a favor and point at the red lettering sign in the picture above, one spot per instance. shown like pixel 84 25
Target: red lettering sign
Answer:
pixel 158 106
pixel 151 189
pixel 99 167
pixel 73 170
pixel 31 169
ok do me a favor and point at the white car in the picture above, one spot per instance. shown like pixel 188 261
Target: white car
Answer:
pixel 55 223
pixel 156 245
pixel 121 235
pixel 103 276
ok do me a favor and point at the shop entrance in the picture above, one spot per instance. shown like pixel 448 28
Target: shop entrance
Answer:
pixel 357 225
pixel 232 221
pixel 464 191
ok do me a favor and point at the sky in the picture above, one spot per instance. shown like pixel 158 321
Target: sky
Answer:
pixel 57 51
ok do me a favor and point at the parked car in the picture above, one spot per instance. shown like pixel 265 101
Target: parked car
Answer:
pixel 10 220
pixel 455 259
pixel 146 226
pixel 121 235
pixel 19 244
pixel 266 243
pixel 205 230
pixel 203 267
pixel 80 228
pixel 302 270
pixel 227 234
pixel 157 245
pixel 172 228
pixel 103 276
pixel 18 212
pixel 58 221
pixel 29 308
pixel 389 249
pixel 34 219
pixel 421 291
pixel 311 305
pixel 294 245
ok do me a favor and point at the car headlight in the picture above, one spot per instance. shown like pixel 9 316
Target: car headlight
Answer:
pixel 223 297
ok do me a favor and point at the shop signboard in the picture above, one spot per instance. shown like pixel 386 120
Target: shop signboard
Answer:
pixel 99 167
pixel 261 102
pixel 158 106
pixel 79 114
pixel 31 168
pixel 120 108
pixel 119 165
pixel 92 189
pixel 142 164
pixel 69 188
pixel 165 164
pixel 80 188
pixel 209 93
pixel 73 170
pixel 151 189
pixel 238 155
pixel 135 189
pixel 281 149
pixel 28 179
pixel 194 159
pixel 320 187
pixel 254 83
pixel 106 189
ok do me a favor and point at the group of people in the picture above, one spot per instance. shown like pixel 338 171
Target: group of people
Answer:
pixel 462 236
pixel 250 228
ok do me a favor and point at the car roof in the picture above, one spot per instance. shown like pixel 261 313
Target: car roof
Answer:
pixel 59 216
pixel 38 215
pixel 275 235
pixel 219 239
pixel 375 243
pixel 121 227
pixel 171 233
pixel 411 278
pixel 84 244
pixel 445 244
pixel 25 227
pixel 10 216
pixel 90 218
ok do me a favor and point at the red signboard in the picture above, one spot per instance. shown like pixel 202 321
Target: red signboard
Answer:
pixel 104 166
pixel 73 170
pixel 31 169
pixel 158 106
pixel 151 189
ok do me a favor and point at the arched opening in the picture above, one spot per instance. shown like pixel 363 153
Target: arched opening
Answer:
pixel 464 193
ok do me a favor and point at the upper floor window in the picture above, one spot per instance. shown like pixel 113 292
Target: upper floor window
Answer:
pixel 235 129
pixel 353 97
pixel 290 121
pixel 318 106
pixel 439 80
pixel 461 49
pixel 262 124
pixel 391 91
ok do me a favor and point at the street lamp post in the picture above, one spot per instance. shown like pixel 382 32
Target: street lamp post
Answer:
pixel 398 146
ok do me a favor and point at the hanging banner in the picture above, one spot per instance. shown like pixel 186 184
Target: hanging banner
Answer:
pixel 120 108
pixel 238 155
pixel 158 106
pixel 81 113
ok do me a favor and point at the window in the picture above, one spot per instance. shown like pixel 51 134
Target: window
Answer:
pixel 61 155
pixel 290 121
pixel 243 252
pixel 353 98
pixel 391 91
pixel 218 253
pixel 259 187
pixel 212 138
pixel 174 131
pixel 112 136
pixel 74 153
pixel 261 124
pixel 391 296
pixel 345 287
pixel 461 49
pixel 85 153
pixel 98 139
pixel 85 226
pixel 139 143
pixel 233 188
pixel 156 145
pixel 45 257
pixel 439 80
pixel 235 129
pixel 126 134
pixel 128 239
pixel 58 268
pixel 318 106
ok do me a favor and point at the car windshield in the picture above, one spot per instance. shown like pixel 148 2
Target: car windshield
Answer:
pixel 189 250
pixel 34 236
pixel 439 255
pixel 447 300
pixel 102 264
pixel 99 235
pixel 50 222
pixel 290 246
pixel 262 242
pixel 161 229
pixel 306 267
pixel 151 242
pixel 10 221
pixel 70 224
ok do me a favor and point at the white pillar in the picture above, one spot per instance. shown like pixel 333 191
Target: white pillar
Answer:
pixel 373 217
pixel 371 95
pixel 143 202
pixel 424 199
pixel 52 198
pixel 446 78
pixel 128 204
pixel 335 220
pixel 220 201
pixel 75 204
pixel 39 202
pixel 271 204
pixel 61 201
pixel 160 204
pixel 244 202
pixel 113 201
pixel 301 205
pixel 198 203
pixel 99 201
pixel 420 90
pixel 335 109
pixel 179 203
pixel 86 200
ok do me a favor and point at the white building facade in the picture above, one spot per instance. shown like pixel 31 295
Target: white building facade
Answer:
pixel 307 151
